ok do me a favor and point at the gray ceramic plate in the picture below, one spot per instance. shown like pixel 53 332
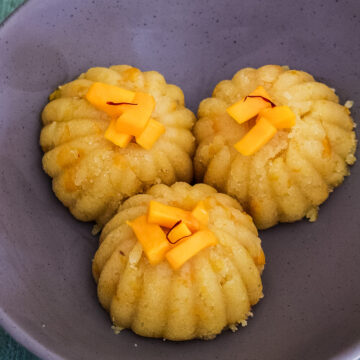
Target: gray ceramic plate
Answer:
pixel 311 308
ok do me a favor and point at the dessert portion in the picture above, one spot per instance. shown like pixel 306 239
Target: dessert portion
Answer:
pixel 113 133
pixel 179 263
pixel 276 140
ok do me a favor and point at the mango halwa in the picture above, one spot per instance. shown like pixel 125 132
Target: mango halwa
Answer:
pixel 91 174
pixel 291 174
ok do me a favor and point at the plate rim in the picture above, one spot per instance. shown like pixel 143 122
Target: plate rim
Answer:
pixel 19 334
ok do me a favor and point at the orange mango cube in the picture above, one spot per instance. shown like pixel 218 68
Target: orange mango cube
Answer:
pixel 118 139
pixel 189 247
pixel 134 120
pixel 280 116
pixel 168 216
pixel 260 134
pixel 248 107
pixel 178 232
pixel 151 134
pixel 152 239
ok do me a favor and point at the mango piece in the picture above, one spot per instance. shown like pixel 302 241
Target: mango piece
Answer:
pixel 118 139
pixel 99 94
pixel 257 137
pixel 200 213
pixel 151 134
pixel 134 120
pixel 152 239
pixel 281 117
pixel 168 216
pixel 178 232
pixel 189 247
pixel 248 107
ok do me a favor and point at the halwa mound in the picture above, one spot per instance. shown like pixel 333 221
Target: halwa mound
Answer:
pixel 91 175
pixel 212 290
pixel 293 173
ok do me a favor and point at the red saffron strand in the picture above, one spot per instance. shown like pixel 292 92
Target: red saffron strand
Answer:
pixel 261 97
pixel 171 229
pixel 120 103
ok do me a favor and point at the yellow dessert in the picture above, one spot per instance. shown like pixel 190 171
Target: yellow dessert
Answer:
pixel 163 278
pixel 113 133
pixel 276 140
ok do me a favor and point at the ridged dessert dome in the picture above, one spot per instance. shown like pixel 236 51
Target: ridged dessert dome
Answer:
pixel 290 176
pixel 213 290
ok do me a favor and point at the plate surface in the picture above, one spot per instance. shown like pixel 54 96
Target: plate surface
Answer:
pixel 311 308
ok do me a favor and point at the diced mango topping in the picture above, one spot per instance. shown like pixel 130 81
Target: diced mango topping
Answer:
pixel 189 247
pixel 121 140
pixel 151 134
pixel 100 94
pixel 280 116
pixel 165 228
pixel 152 239
pixel 130 112
pixel 200 213
pixel 270 118
pixel 256 138
pixel 168 216
pixel 134 120
pixel 178 232
pixel 249 106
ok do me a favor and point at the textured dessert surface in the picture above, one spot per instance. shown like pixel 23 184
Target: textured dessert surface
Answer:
pixel 213 290
pixel 91 175
pixel 294 173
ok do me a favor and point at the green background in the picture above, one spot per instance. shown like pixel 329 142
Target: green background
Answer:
pixel 9 348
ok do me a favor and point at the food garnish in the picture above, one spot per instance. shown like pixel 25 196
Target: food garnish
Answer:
pixel 270 118
pixel 173 233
